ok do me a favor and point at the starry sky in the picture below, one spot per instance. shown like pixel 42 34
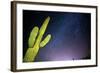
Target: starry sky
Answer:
pixel 71 34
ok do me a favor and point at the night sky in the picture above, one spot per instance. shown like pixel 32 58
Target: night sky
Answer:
pixel 71 35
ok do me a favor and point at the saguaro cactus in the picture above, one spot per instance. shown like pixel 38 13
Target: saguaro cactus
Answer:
pixel 35 41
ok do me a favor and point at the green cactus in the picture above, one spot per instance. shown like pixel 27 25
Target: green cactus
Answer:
pixel 35 41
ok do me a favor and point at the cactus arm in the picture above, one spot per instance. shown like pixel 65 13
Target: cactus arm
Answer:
pixel 33 36
pixel 45 41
